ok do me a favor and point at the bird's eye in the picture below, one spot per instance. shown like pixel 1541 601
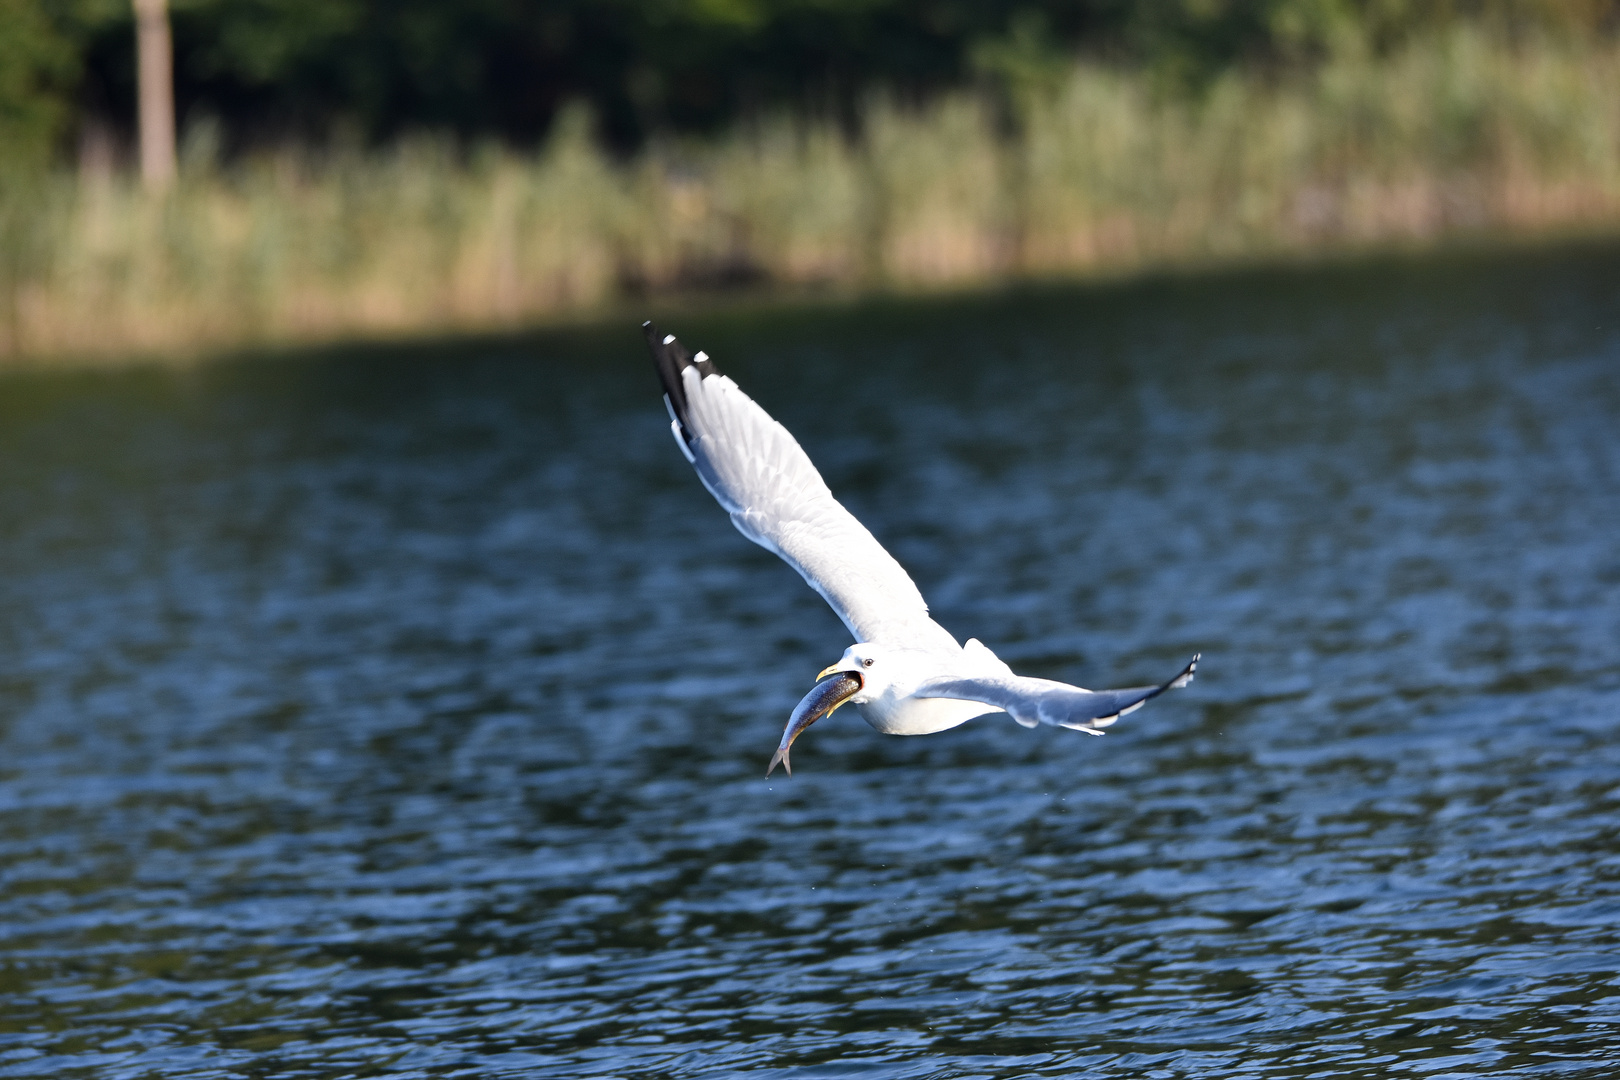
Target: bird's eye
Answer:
pixel 867 662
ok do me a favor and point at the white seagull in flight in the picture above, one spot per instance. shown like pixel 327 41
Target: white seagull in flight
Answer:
pixel 905 673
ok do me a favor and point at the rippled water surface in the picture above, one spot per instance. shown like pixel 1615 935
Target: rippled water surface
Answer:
pixel 405 712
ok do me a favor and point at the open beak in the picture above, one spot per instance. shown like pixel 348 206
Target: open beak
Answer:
pixel 832 689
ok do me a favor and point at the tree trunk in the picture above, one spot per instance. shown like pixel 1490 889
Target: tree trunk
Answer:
pixel 155 60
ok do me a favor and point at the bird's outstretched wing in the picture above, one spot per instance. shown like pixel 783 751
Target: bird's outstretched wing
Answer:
pixel 1041 701
pixel 775 497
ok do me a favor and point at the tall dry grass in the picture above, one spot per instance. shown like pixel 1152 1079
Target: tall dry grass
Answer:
pixel 1101 173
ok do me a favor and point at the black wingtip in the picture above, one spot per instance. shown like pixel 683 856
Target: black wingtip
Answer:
pixel 671 358
pixel 1186 674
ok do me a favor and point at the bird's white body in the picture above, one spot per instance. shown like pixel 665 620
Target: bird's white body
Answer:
pixel 899 713
pixel 889 698
pixel 913 676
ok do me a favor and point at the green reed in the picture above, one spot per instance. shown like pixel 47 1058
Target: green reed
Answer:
pixel 1105 172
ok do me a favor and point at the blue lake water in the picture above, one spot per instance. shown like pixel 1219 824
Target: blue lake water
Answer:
pixel 403 711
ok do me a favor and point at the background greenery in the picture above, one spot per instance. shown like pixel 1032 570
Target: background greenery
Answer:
pixel 355 166
pixel 265 71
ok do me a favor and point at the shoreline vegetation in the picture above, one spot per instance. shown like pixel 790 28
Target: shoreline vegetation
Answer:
pixel 1096 171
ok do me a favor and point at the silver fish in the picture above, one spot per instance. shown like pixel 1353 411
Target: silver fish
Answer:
pixel 822 699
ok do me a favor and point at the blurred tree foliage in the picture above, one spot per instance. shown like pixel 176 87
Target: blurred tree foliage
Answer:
pixel 39 68
pixel 366 70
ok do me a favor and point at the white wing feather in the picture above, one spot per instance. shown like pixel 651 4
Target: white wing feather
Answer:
pixel 1042 701
pixel 776 498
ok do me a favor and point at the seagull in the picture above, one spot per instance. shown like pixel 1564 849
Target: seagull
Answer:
pixel 905 674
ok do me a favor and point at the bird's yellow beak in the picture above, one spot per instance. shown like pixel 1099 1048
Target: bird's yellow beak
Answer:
pixel 826 671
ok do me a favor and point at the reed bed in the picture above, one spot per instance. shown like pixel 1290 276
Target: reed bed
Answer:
pixel 1105 172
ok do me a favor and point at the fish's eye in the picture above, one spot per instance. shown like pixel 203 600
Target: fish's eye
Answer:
pixel 867 662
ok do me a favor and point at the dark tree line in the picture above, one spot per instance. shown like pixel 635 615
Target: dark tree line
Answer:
pixel 367 70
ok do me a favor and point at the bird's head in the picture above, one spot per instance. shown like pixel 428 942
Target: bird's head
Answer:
pixel 875 665
pixel 865 672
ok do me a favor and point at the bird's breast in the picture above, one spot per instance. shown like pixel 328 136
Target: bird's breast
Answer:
pixel 919 716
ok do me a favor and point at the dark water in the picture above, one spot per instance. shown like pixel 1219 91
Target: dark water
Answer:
pixel 405 713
